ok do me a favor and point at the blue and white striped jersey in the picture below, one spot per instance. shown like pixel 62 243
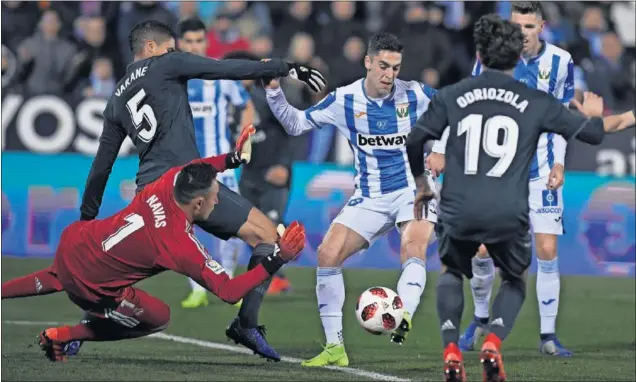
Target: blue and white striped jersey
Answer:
pixel 551 71
pixel 210 103
pixel 376 129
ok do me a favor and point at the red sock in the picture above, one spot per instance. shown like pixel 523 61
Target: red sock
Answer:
pixel 105 330
pixel 491 337
pixel 36 284
pixel 139 314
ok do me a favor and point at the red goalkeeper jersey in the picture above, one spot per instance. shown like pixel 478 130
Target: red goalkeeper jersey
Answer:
pixel 149 236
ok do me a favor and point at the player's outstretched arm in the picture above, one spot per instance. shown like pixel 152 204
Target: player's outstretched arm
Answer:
pixel 589 127
pixel 294 121
pixel 618 122
pixel 109 144
pixel 201 268
pixel 590 107
pixel 187 66
pixel 628 119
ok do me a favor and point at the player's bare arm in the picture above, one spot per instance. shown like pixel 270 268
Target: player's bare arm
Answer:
pixel 627 119
pixel 589 127
pixel 592 106
pixel 109 144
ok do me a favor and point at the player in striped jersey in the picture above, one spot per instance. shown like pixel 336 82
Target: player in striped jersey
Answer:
pixel 550 69
pixel 211 103
pixel 376 114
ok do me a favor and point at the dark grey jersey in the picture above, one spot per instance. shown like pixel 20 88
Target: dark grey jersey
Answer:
pixel 495 123
pixel 150 105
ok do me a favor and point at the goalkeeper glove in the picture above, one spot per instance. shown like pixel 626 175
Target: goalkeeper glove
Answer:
pixel 243 148
pixel 291 242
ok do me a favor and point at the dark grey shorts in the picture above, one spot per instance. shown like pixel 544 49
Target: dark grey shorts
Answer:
pixel 512 257
pixel 228 216
pixel 271 200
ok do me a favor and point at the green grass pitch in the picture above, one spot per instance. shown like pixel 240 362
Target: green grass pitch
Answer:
pixel 596 322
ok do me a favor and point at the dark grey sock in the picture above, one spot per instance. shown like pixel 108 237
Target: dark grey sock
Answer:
pixel 507 306
pixel 248 314
pixel 450 305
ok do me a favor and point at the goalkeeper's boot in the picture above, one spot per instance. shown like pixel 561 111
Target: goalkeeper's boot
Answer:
pixel 333 354
pixel 453 364
pixel 195 299
pixel 399 334
pixel 72 348
pixel 491 360
pixel 551 345
pixel 50 342
pixel 252 338
pixel 474 332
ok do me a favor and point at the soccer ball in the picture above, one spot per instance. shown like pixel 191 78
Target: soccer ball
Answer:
pixel 379 310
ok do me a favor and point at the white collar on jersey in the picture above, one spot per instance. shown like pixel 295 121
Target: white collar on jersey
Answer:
pixel 387 98
pixel 542 50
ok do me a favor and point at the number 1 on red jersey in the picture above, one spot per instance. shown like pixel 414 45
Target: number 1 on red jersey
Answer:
pixel 135 222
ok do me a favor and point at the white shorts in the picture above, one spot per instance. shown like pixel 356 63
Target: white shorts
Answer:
pixel 546 208
pixel 229 179
pixel 373 217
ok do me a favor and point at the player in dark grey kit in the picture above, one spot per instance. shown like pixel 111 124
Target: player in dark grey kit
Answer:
pixel 495 123
pixel 150 105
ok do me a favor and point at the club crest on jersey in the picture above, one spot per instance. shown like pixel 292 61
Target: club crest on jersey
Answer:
pixel 214 266
pixel 544 74
pixel 402 110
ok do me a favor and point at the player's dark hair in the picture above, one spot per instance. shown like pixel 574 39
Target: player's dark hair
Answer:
pixel 192 24
pixel 528 8
pixel 148 30
pixel 193 180
pixel 384 41
pixel 499 42
pixel 241 55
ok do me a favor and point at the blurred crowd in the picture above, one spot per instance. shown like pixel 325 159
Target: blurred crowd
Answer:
pixel 81 48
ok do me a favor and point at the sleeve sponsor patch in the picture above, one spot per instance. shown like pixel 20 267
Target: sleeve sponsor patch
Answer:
pixel 214 266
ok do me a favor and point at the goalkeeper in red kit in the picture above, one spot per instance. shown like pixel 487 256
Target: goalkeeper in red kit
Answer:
pixel 98 261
